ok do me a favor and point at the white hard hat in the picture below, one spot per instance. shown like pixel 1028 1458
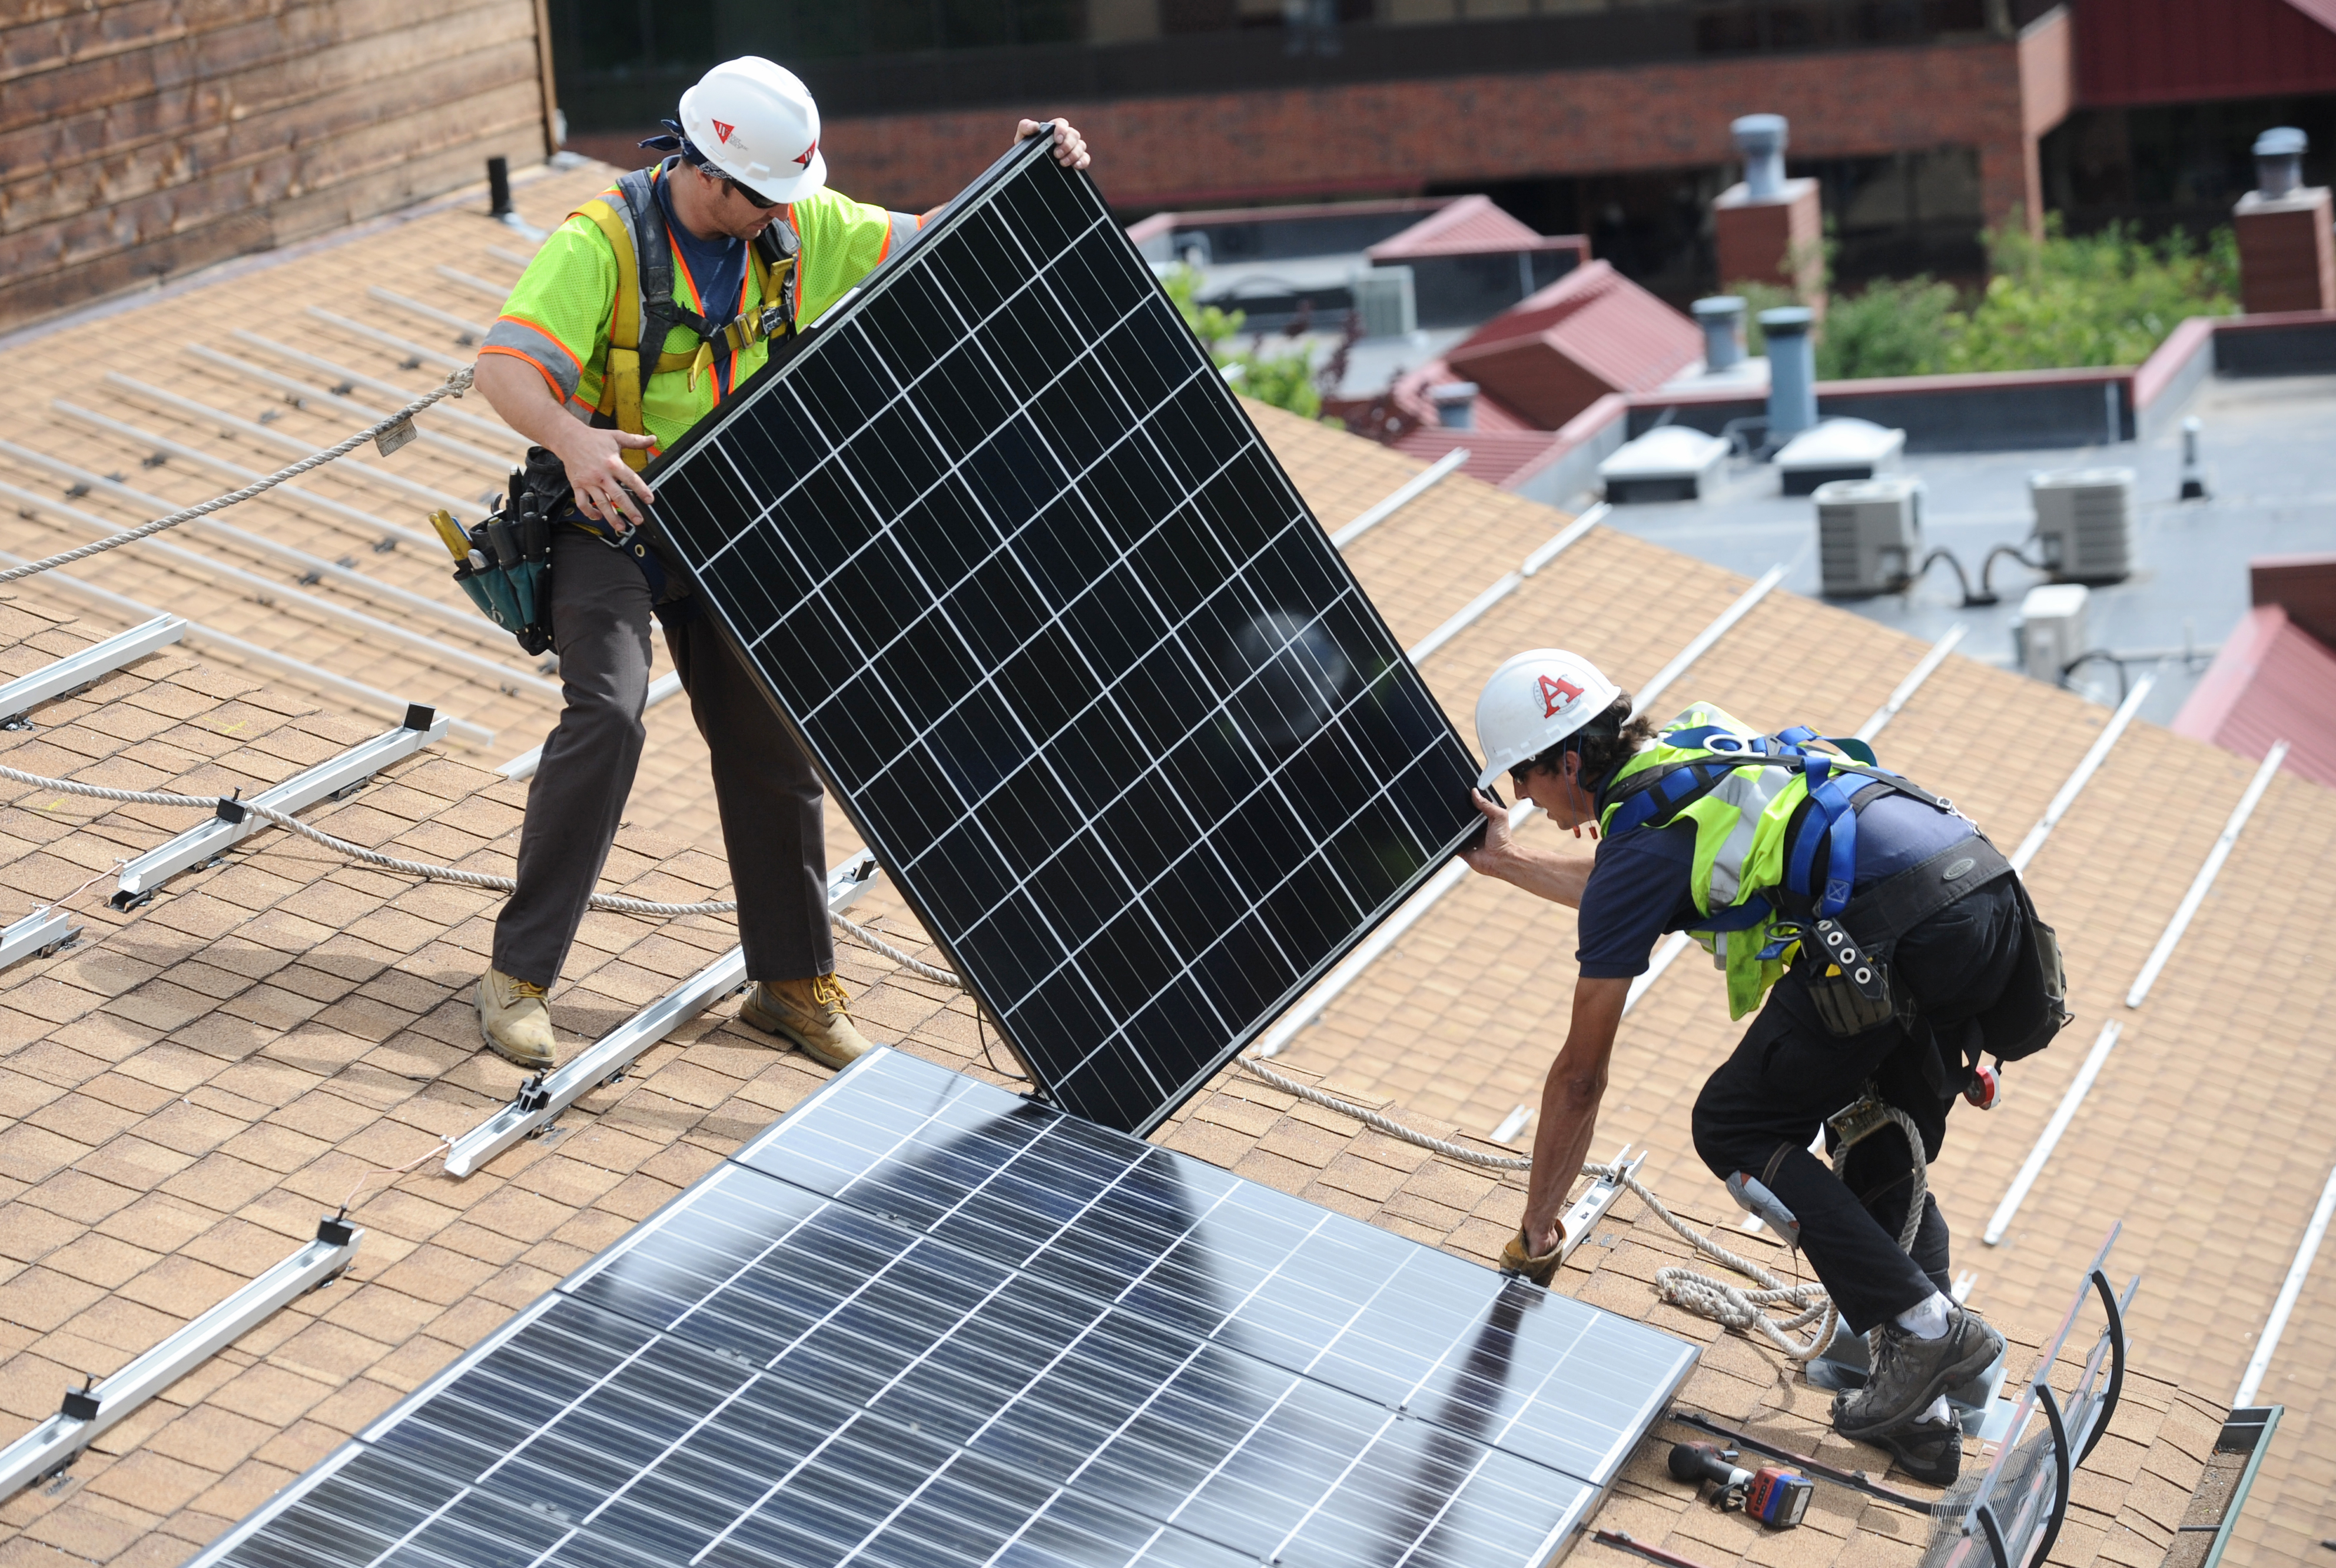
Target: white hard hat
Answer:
pixel 1533 702
pixel 755 122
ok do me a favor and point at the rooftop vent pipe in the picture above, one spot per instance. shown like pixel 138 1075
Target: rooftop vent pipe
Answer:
pixel 1455 404
pixel 1760 139
pixel 1792 370
pixel 2279 161
pixel 1721 316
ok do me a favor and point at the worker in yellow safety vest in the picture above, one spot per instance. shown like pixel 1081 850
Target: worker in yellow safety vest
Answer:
pixel 638 317
pixel 1884 942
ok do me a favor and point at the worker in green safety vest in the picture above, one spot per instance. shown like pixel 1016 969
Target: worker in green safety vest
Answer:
pixel 640 316
pixel 1884 943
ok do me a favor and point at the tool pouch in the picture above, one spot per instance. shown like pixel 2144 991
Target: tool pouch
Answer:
pixel 505 562
pixel 1849 986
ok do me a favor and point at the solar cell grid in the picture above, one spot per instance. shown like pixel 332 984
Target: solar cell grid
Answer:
pixel 926 1323
pixel 1068 646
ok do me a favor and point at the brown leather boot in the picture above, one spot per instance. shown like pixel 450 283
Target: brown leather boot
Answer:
pixel 514 1021
pixel 814 1014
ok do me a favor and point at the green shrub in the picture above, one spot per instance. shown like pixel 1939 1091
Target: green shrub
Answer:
pixel 2058 302
pixel 1285 380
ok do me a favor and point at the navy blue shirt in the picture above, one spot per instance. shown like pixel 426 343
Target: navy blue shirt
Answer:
pixel 1640 885
pixel 717 266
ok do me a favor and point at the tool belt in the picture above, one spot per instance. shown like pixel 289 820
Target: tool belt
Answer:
pixel 504 564
pixel 1849 978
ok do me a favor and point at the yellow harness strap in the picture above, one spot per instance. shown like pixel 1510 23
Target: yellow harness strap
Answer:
pixel 621 391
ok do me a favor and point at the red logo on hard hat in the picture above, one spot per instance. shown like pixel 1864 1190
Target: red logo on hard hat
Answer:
pixel 1555 694
pixel 723 131
pixel 805 162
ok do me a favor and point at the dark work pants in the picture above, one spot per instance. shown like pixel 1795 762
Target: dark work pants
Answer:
pixel 764 787
pixel 1758 1111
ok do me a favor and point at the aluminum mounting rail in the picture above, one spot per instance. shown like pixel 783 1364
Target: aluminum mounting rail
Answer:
pixel 301 671
pixel 1675 944
pixel 1403 495
pixel 383 536
pixel 291 446
pixel 495 291
pixel 1581 1218
pixel 44 930
pixel 91 1412
pixel 390 341
pixel 311 568
pixel 333 776
pixel 1653 690
pixel 545 1095
pixel 2205 879
pixel 514 257
pixel 2085 767
pixel 432 650
pixel 399 397
pixel 1316 1002
pixel 466 332
pixel 2033 1166
pixel 302 395
pixel 2267 1342
pixel 524 765
pixel 1473 610
pixel 77 670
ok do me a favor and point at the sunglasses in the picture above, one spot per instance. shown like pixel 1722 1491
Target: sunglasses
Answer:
pixel 755 198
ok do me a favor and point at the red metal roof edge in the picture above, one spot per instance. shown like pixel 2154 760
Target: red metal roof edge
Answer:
pixel 2226 679
pixel 1171 219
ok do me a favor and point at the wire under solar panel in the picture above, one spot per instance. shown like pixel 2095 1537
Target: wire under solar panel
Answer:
pixel 925 1322
pixel 1068 647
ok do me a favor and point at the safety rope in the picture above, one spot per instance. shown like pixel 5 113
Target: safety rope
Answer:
pixel 455 385
pixel 1686 1288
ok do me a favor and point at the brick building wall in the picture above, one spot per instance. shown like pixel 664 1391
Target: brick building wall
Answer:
pixel 1998 95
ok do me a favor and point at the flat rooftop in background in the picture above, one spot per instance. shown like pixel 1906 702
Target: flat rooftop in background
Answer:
pixel 2271 477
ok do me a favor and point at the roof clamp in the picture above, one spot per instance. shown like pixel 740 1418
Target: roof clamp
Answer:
pixel 230 808
pixel 532 1095
pixel 81 1403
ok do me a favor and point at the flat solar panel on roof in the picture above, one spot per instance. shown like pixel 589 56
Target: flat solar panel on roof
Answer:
pixel 1068 647
pixel 923 1321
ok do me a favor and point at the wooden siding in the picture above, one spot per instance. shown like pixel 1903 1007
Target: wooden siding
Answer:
pixel 141 139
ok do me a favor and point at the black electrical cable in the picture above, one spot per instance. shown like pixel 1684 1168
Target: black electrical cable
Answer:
pixel 1963 582
pixel 2092 656
pixel 1987 570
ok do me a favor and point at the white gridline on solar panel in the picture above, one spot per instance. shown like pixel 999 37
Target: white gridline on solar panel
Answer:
pixel 1167 1242
pixel 1030 1393
pixel 837 458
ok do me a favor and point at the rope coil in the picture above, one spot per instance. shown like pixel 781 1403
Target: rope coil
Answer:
pixel 455 385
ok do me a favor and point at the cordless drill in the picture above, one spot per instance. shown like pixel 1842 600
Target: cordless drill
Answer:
pixel 1775 1496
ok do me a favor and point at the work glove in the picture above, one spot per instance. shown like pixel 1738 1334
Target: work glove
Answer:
pixel 1519 1258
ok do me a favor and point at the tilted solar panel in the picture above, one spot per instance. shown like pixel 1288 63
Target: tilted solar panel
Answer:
pixel 926 1323
pixel 1068 647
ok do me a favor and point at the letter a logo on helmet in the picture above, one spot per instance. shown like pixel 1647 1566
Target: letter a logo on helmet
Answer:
pixel 723 131
pixel 1556 691
pixel 1534 702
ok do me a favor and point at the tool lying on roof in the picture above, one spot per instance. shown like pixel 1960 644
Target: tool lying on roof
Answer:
pixel 1854 1480
pixel 1621 1541
pixel 235 822
pixel 1776 1497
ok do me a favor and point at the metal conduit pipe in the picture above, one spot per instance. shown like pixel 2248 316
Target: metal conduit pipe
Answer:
pixel 300 671
pixel 432 649
pixel 470 332
pixel 379 534
pixel 300 395
pixel 485 429
pixel 380 339
pixel 203 413
pixel 470 624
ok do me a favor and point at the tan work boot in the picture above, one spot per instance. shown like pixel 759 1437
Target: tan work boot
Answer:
pixel 514 1020
pixel 812 1013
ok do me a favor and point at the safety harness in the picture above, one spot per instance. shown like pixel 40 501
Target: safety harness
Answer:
pixel 646 312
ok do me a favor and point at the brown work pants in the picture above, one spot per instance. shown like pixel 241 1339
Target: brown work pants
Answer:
pixel 764 787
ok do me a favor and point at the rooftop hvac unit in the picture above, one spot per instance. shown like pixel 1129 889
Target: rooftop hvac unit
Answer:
pixel 1869 535
pixel 2084 522
pixel 1385 302
pixel 2051 633
pixel 1834 449
pixel 1671 463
